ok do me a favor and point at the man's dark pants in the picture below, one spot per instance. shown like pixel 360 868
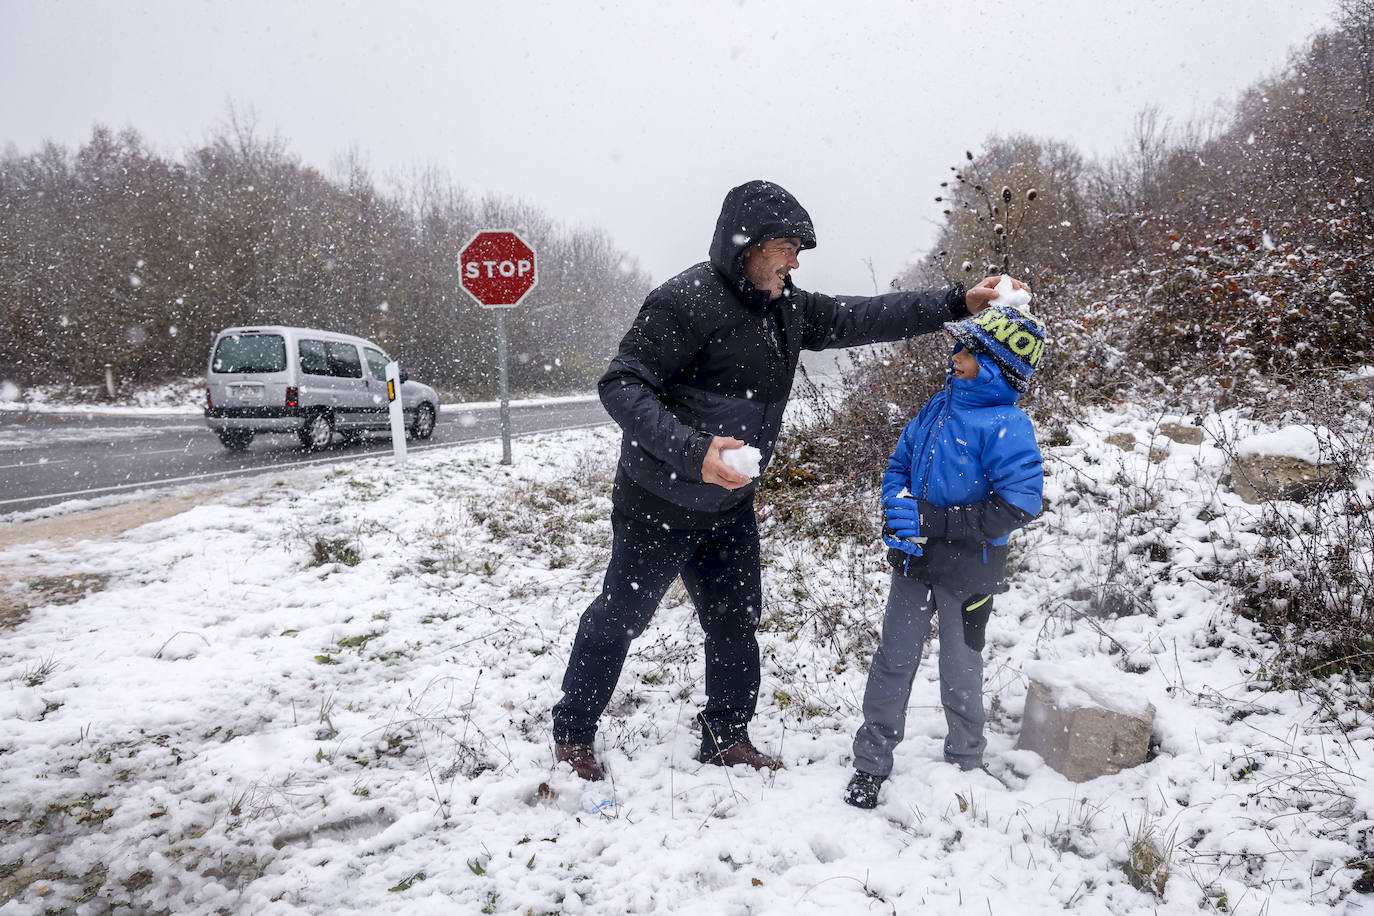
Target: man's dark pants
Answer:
pixel 720 568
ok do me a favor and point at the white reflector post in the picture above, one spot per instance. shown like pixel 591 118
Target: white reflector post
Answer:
pixel 398 423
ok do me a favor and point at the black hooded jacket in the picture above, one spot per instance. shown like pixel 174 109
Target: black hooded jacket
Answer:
pixel 710 355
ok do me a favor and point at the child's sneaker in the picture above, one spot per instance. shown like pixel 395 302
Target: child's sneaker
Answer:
pixel 862 791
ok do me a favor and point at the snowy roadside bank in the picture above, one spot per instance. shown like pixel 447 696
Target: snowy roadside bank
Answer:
pixel 183 402
pixel 329 692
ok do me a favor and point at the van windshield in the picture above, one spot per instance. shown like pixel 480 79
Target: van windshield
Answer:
pixel 250 353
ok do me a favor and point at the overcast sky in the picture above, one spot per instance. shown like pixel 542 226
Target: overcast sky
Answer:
pixel 637 116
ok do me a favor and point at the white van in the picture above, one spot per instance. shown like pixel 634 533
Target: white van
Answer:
pixel 308 382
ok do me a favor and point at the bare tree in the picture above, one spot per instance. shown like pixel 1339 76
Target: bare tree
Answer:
pixel 115 254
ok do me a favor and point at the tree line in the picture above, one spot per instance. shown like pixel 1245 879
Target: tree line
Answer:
pixel 1219 255
pixel 114 254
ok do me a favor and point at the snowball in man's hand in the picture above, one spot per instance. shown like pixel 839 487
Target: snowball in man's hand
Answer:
pixel 1010 295
pixel 744 459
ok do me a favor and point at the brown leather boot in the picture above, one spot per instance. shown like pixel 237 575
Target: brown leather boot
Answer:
pixel 582 759
pixel 744 753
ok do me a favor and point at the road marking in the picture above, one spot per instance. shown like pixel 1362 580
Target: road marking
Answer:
pixel 160 451
pixel 279 469
pixel 34 464
pixel 38 463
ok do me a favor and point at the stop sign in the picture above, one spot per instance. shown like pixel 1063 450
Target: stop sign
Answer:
pixel 497 268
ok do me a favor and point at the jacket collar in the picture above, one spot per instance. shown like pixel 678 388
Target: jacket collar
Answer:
pixel 989 389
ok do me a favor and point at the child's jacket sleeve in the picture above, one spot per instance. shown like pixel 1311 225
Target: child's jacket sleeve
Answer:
pixel 898 473
pixel 989 520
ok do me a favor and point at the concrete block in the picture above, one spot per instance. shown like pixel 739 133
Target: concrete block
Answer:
pixel 1256 478
pixel 1082 730
pixel 1288 463
pixel 1187 435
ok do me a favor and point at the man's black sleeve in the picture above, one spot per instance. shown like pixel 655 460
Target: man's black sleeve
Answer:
pixel 851 321
pixel 659 345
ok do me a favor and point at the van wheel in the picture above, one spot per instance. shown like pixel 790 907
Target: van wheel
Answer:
pixel 236 440
pixel 423 427
pixel 317 432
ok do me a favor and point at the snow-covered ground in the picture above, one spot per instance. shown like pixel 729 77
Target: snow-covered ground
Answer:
pixel 329 692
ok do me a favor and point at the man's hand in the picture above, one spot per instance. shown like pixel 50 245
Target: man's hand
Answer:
pixel 980 297
pixel 714 470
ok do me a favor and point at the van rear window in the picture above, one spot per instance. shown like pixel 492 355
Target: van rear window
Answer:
pixel 249 353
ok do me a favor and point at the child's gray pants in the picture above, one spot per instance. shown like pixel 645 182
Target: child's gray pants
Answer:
pixel 910 607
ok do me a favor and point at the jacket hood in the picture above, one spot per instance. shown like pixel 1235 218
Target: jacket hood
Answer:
pixel 990 388
pixel 754 213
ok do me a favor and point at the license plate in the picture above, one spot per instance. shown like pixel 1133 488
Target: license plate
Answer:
pixel 245 391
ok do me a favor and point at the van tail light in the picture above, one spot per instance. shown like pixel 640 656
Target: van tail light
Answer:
pixel 293 396
pixel 209 402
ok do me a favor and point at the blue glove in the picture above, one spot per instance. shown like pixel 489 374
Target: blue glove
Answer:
pixel 903 516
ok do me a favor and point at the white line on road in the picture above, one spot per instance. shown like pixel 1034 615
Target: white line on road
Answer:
pixel 159 451
pixel 47 461
pixel 278 469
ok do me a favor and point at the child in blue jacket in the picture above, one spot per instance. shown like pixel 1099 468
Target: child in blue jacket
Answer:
pixel 965 474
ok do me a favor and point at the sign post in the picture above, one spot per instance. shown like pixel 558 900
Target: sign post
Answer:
pixel 501 364
pixel 497 269
pixel 398 424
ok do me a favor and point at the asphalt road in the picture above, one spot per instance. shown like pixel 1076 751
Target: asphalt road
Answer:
pixel 48 458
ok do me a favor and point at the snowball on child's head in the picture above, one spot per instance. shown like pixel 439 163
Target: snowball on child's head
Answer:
pixel 744 460
pixel 1008 295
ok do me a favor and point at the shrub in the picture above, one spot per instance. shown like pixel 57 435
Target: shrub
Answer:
pixel 842 449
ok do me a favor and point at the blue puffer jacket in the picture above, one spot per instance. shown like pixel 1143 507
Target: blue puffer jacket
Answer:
pixel 971 458
pixel 711 355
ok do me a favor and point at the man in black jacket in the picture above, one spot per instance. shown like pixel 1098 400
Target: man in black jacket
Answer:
pixel 707 366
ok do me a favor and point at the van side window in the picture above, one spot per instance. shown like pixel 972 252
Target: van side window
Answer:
pixel 343 360
pixel 376 361
pixel 314 360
